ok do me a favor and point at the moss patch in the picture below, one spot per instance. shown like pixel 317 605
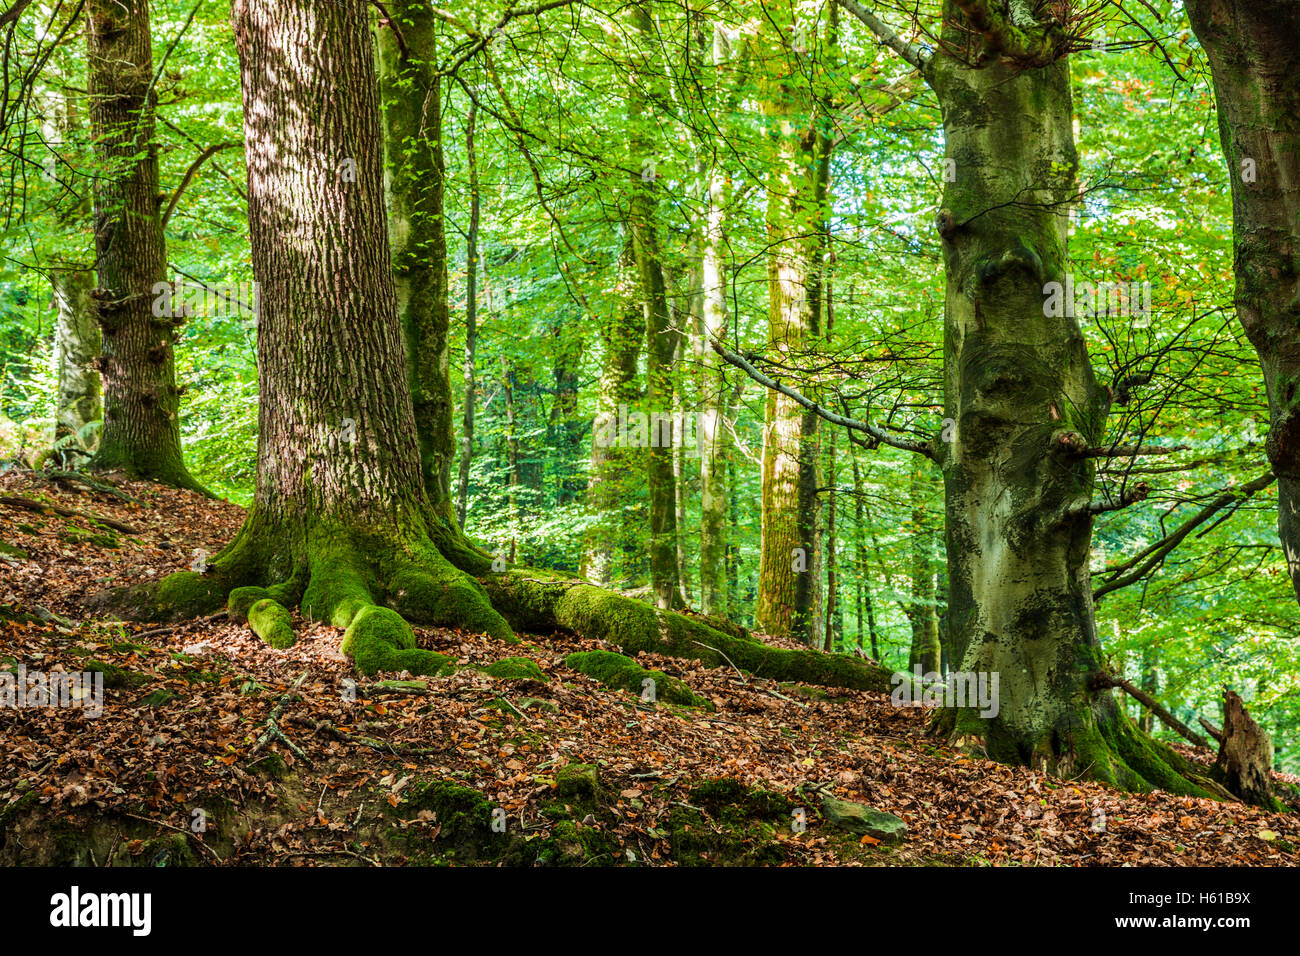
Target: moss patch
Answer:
pixel 623 673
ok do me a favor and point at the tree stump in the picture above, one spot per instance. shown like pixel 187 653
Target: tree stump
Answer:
pixel 1245 754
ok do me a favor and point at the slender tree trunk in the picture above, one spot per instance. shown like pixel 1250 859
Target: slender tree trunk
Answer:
pixel 661 337
pixel 141 433
pixel 471 317
pixel 610 474
pixel 922 612
pixel 76 333
pixel 76 350
pixel 414 179
pixel 512 454
pixel 1251 45
pixel 789 589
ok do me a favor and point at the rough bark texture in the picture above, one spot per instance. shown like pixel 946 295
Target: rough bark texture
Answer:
pixel 414 176
pixel 1019 385
pixel 141 434
pixel 1254 52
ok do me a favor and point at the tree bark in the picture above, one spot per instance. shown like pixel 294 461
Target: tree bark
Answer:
pixel 141 433
pixel 660 332
pixel 789 592
pixel 611 465
pixel 1251 45
pixel 471 318
pixel 414 178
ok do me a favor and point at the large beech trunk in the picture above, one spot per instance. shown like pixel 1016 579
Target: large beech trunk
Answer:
pixel 1254 52
pixel 1020 388
pixel 141 434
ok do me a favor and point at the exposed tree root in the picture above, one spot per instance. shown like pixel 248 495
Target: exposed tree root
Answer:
pixel 376 583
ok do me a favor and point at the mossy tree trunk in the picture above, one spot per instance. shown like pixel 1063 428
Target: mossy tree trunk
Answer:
pixel 77 339
pixel 660 332
pixel 342 521
pixel 1251 45
pixel 611 465
pixel 141 433
pixel 471 318
pixel 1020 388
pixel 410 91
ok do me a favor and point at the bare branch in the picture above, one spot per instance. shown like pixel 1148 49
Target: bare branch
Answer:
pixel 878 434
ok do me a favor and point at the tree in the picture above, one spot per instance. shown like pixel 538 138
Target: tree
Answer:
pixel 1023 403
pixel 410 89
pixel 789 592
pixel 1251 48
pixel 141 433
pixel 342 523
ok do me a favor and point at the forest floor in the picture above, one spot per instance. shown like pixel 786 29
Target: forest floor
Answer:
pixel 172 771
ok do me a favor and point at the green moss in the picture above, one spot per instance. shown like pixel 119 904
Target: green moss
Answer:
pixel 116 678
pixel 190 594
pixel 539 600
pixel 12 551
pixel 516 668
pixel 378 639
pixel 726 823
pixel 453 599
pixel 463 816
pixel 272 622
pixel 578 782
pixel 158 698
pixel 241 599
pixel 623 673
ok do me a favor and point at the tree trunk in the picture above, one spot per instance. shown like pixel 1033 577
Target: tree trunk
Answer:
pixel 141 434
pixel 789 589
pixel 414 178
pixel 471 318
pixel 76 350
pixel 1251 45
pixel 610 474
pixel 661 338
pixel 923 611
pixel 1020 388
pixel 76 333
pixel 1245 755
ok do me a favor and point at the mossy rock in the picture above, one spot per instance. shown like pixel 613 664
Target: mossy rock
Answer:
pixel 516 668
pixel 172 850
pixel 862 820
pixel 623 673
